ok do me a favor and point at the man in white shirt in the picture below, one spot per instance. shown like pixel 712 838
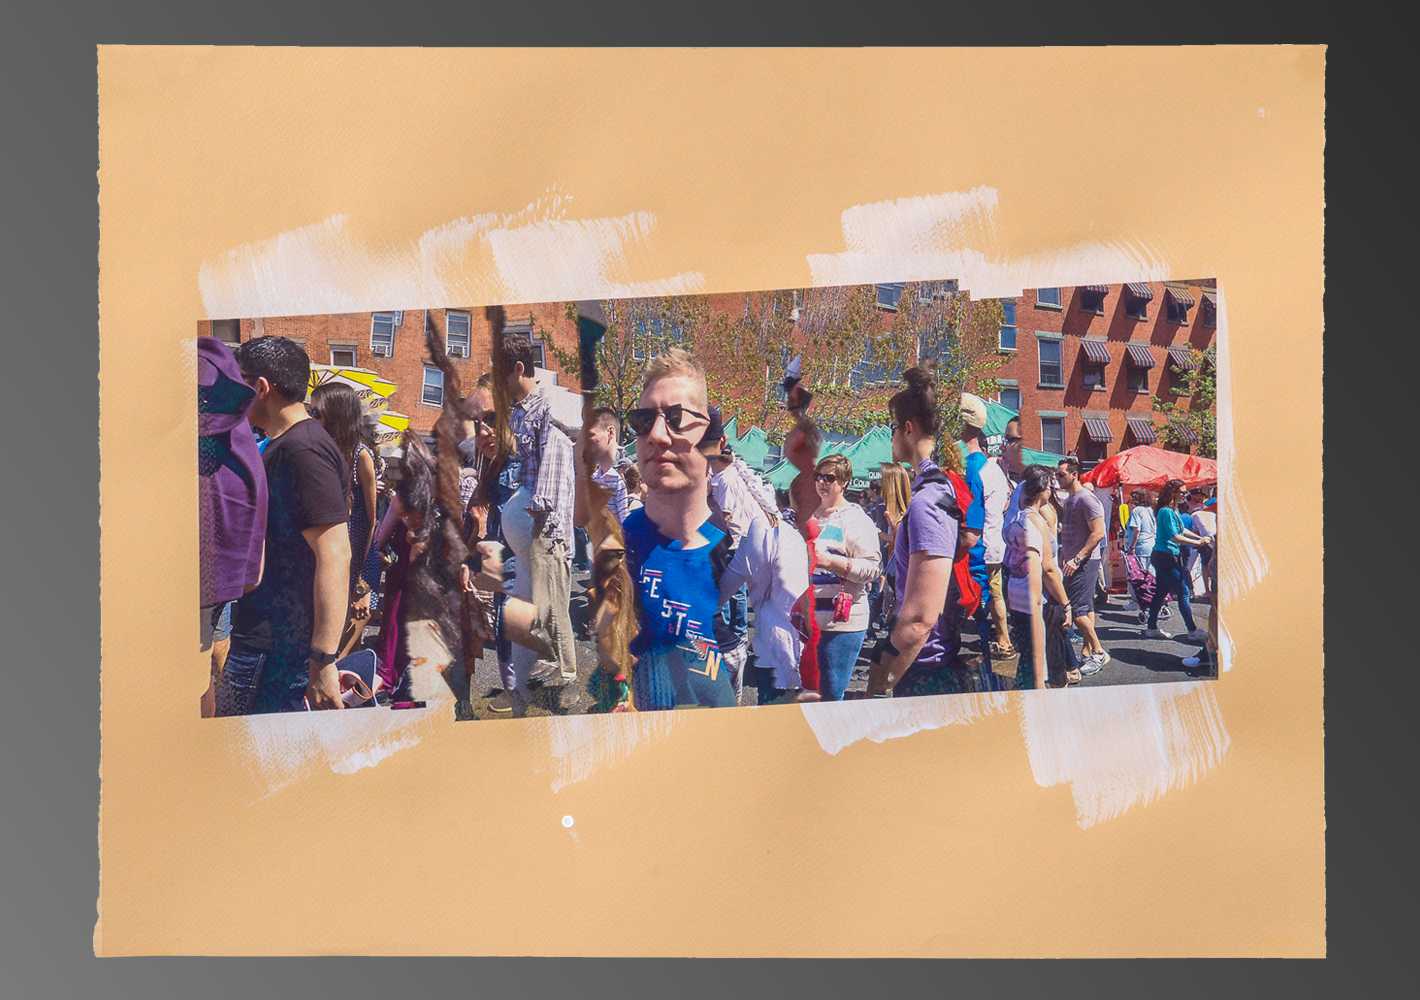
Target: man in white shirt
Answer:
pixel 995 495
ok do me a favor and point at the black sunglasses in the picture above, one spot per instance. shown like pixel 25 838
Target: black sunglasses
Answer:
pixel 825 477
pixel 1013 440
pixel 482 419
pixel 642 420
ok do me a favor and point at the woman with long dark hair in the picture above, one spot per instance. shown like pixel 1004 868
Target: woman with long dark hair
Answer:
pixel 1034 573
pixel 496 477
pixel 338 409
pixel 1170 576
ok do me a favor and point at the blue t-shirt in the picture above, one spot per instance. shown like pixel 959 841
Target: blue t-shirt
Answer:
pixel 1169 525
pixel 677 648
pixel 976 517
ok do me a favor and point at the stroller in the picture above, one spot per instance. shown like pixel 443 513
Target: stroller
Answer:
pixel 1142 584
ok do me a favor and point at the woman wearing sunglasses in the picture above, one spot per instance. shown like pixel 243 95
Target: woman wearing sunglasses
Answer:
pixel 848 558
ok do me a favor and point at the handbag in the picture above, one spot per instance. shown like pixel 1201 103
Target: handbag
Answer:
pixel 842 604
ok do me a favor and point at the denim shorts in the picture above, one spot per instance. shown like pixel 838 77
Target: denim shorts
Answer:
pixel 222 621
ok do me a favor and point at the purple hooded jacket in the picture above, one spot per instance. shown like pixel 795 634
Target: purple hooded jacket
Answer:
pixel 231 483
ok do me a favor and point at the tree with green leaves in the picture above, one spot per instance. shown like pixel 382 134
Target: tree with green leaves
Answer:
pixel 960 334
pixel 638 330
pixel 849 354
pixel 1195 424
pixel 745 353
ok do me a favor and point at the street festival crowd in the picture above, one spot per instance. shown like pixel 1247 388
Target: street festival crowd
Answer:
pixel 310 536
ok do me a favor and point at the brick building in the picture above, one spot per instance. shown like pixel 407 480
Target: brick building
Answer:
pixel 391 343
pixel 1086 361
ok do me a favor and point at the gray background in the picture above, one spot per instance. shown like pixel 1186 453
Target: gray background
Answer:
pixel 50 727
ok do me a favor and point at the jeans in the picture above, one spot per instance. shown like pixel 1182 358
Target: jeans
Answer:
pixel 735 613
pixel 243 676
pixel 579 558
pixel 837 653
pixel 1169 578
pixel 986 630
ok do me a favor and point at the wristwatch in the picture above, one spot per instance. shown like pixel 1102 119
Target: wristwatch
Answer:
pixel 324 659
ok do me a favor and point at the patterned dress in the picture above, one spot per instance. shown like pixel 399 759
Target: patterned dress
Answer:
pixel 360 530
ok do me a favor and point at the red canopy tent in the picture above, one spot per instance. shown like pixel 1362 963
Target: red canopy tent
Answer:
pixel 1151 468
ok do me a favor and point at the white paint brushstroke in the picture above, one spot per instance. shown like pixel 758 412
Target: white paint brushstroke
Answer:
pixel 486 259
pixel 841 724
pixel 954 235
pixel 1244 561
pixel 579 744
pixel 285 747
pixel 1117 747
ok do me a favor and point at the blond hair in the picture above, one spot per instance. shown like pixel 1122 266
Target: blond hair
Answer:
pixel 676 362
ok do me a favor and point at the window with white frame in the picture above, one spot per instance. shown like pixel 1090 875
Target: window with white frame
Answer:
pixel 1048 298
pixel 1052 435
pixel 433 386
pixel 1008 325
pixel 456 334
pixel 1051 367
pixel 382 326
pixel 342 357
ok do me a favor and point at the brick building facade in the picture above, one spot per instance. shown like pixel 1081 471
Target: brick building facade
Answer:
pixel 1083 363
pixel 1087 361
pixel 391 343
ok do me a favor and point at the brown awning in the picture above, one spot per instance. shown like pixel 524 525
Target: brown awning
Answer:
pixel 1139 356
pixel 1182 360
pixel 1096 351
pixel 1181 296
pixel 1097 430
pixel 1143 429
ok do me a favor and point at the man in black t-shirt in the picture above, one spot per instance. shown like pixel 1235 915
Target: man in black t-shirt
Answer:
pixel 285 632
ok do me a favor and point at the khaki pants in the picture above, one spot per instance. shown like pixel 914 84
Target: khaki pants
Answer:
pixel 544 577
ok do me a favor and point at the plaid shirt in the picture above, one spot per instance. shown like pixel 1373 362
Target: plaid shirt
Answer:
pixel 612 482
pixel 547 468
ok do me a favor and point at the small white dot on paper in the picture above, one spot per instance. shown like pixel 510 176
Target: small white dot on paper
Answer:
pixel 567 821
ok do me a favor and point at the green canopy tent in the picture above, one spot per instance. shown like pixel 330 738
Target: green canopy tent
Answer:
pixel 753 447
pixel 781 475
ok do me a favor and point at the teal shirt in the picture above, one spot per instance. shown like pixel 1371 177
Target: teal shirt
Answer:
pixel 1170 524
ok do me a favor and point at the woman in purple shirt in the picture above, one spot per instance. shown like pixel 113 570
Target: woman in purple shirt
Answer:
pixel 919 655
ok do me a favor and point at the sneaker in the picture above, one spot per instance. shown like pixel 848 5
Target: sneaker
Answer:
pixel 1132 606
pixel 1091 665
pixel 1144 617
pixel 502 703
pixel 1103 656
pixel 1157 633
pixel 543 671
pixel 1197 635
pixel 1196 662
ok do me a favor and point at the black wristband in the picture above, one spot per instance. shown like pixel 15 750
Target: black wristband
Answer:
pixel 324 659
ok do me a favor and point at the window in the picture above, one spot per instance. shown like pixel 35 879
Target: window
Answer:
pixel 1050 368
pixel 798 305
pixel 1138 379
pixel 382 326
pixel 539 354
pixel 1092 301
pixel 930 290
pixel 456 336
pixel 1177 311
pixel 1008 327
pixel 228 331
pixel 433 387
pixel 1208 313
pixel 1136 308
pixel 889 295
pixel 1093 376
pixel 1091 454
pixel 1052 435
pixel 342 357
pixel 1048 298
pixel 1011 397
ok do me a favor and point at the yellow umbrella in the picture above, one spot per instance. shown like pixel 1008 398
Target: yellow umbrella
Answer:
pixel 374 391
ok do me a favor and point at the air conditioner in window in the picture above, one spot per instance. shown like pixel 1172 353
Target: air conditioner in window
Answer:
pixel 457 351
pixel 381 350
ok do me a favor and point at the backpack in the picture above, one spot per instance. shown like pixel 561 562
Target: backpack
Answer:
pixel 963 593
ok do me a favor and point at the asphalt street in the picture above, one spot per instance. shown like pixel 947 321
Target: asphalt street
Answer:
pixel 1133 659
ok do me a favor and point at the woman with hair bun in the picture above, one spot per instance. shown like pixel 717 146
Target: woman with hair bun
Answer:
pixel 934 585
